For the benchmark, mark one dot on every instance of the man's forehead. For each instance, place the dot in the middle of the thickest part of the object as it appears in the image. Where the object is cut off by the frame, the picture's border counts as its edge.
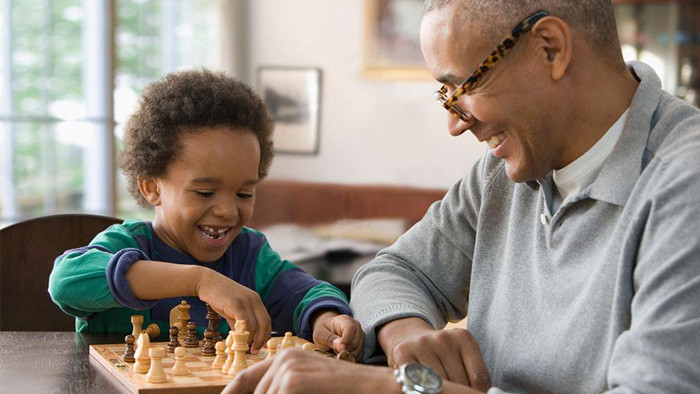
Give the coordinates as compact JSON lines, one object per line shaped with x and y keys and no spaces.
{"x":451,"y":45}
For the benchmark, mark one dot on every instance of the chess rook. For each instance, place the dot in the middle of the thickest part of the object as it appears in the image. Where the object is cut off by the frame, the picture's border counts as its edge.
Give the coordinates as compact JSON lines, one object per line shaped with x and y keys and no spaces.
{"x":156,"y":374}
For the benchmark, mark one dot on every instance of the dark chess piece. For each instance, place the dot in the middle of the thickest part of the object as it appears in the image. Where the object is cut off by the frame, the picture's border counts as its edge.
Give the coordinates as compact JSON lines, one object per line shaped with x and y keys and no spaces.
{"x":208,"y":348}
{"x":174,"y":332}
{"x":129,"y":351}
{"x":213,"y":323}
{"x":191,"y":340}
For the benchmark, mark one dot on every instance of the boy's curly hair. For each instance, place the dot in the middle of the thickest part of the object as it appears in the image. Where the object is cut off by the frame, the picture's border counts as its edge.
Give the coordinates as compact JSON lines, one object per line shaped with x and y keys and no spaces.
{"x":184,"y":102}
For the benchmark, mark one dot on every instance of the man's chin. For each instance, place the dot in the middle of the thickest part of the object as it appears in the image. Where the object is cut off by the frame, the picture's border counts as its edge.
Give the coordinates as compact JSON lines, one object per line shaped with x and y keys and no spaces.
{"x":518,"y":174}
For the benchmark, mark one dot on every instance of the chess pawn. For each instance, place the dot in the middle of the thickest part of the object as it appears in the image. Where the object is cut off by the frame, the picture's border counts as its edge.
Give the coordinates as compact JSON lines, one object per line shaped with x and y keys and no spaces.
{"x":288,"y":340}
{"x":137,"y":321}
{"x":208,"y":344}
{"x":220,"y":355}
{"x":156,"y":374}
{"x":129,"y":350}
{"x":240,"y":347}
{"x":174,"y":342}
{"x":191,"y":340}
{"x":229,"y":353}
{"x":271,"y":348}
{"x":308,"y":346}
{"x":143,"y":361}
{"x":180,"y":368}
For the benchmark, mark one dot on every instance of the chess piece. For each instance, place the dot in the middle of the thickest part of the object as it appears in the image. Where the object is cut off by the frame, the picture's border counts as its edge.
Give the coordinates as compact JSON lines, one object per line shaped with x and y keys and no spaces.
{"x":208,"y":344}
{"x":308,"y":346}
{"x":288,"y":340}
{"x":240,"y":347}
{"x":156,"y":374}
{"x":346,"y":356}
{"x":153,"y":331}
{"x":183,"y":317}
{"x":137,"y":321}
{"x":220,"y":355}
{"x":174,"y":342}
{"x":143,"y":361}
{"x":180,"y":368}
{"x":129,"y":351}
{"x":229,"y":353}
{"x":271,"y":348}
{"x":213,"y":323}
{"x":191,"y":340}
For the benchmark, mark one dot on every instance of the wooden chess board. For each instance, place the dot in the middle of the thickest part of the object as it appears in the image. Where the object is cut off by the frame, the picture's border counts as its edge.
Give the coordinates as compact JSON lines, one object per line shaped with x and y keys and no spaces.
{"x":202,"y":378}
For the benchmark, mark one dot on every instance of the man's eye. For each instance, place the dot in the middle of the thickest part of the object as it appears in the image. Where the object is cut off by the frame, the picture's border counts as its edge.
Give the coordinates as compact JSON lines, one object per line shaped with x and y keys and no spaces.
{"x":203,"y":194}
{"x":245,"y":196}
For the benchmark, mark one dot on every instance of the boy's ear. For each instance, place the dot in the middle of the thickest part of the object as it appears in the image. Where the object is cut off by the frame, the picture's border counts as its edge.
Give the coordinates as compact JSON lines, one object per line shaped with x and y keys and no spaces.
{"x":150,"y":189}
{"x":554,"y":37}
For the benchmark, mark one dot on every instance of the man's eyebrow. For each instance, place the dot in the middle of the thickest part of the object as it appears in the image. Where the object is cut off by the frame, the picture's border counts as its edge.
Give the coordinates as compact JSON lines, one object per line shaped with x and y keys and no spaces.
{"x":449,"y":79}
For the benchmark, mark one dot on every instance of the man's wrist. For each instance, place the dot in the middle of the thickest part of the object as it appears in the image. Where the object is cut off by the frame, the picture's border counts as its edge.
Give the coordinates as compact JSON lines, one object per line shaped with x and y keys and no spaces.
{"x":393,"y":332}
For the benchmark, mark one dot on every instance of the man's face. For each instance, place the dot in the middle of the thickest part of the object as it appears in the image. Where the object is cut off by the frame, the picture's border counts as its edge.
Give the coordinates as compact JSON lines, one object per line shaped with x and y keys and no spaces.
{"x":208,"y":192}
{"x":504,"y":103}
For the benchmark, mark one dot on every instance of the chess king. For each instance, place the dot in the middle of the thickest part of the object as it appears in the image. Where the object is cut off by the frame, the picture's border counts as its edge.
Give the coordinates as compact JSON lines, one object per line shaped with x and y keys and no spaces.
{"x":195,"y":149}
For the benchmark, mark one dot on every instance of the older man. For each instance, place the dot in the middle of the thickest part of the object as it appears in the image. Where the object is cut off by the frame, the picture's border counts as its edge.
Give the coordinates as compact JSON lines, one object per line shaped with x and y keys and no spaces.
{"x":574,"y":243}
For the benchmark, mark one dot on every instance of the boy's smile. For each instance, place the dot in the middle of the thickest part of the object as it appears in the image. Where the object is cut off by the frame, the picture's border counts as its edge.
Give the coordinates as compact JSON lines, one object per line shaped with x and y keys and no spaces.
{"x":208,"y":192}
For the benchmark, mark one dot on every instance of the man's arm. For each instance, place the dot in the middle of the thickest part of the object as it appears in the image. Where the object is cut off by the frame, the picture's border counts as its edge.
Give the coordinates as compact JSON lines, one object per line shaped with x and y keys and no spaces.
{"x":661,"y":349}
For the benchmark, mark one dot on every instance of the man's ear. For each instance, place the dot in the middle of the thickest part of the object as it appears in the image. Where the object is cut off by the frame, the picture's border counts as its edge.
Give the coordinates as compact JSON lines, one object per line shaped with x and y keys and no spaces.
{"x":150,"y":189}
{"x":554,"y":38}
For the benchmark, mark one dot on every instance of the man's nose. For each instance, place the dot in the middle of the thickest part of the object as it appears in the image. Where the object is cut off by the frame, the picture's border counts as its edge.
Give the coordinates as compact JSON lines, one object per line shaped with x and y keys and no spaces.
{"x":456,"y":125}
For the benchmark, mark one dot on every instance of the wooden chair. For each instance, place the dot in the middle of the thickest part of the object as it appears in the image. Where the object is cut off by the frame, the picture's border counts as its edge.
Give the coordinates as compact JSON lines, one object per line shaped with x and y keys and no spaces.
{"x":27,"y":252}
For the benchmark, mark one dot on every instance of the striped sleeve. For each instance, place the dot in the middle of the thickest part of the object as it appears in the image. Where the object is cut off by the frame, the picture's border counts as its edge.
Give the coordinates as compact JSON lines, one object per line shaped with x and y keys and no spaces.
{"x":291,"y":296}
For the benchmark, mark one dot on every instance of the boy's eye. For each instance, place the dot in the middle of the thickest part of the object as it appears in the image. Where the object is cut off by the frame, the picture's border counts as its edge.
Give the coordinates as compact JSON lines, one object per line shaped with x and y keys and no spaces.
{"x":203,"y":194}
{"x":245,"y":196}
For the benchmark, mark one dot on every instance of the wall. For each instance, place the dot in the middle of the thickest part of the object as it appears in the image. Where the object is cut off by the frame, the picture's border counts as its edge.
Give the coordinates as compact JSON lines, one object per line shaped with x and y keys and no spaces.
{"x":371,"y":132}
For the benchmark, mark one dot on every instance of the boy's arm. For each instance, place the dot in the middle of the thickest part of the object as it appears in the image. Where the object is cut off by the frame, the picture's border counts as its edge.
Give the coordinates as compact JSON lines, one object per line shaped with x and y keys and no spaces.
{"x":292,"y":297}
{"x":87,"y":280}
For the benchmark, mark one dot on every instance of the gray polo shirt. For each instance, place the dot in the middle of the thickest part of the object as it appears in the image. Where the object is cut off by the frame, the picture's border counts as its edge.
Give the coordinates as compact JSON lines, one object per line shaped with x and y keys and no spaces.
{"x":602,"y":295}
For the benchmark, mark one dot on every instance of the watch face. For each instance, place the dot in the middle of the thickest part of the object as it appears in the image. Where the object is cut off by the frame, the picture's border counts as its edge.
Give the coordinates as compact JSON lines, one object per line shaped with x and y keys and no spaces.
{"x":423,"y":379}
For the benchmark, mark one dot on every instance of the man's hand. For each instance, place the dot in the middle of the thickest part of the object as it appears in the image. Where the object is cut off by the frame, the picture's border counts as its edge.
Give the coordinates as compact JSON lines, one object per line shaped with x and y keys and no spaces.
{"x":338,"y":332}
{"x":233,"y":302}
{"x":297,"y":371}
{"x":454,"y":354}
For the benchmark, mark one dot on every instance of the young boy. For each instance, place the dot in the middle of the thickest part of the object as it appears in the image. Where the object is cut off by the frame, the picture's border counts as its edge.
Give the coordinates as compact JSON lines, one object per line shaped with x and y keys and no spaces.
{"x":195,"y":150}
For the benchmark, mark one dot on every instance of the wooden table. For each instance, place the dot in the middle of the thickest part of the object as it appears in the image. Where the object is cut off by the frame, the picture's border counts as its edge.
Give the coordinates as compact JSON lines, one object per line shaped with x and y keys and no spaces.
{"x":53,"y":362}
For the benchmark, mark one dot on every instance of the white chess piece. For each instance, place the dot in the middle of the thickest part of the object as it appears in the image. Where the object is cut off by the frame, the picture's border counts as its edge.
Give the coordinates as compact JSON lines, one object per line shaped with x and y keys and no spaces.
{"x":288,"y":340}
{"x":155,"y":373}
{"x":220,"y":355}
{"x":180,"y":368}
{"x":229,"y":353}
{"x":271,"y":348}
{"x":143,"y":361}
{"x":240,"y":347}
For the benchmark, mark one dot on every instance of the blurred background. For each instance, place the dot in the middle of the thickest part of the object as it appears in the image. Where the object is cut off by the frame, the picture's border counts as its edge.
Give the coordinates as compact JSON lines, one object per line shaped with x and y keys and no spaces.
{"x":71,"y":71}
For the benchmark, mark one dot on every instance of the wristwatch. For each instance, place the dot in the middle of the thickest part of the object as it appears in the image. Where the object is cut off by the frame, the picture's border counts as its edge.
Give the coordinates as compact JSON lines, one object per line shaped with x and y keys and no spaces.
{"x":418,"y":379}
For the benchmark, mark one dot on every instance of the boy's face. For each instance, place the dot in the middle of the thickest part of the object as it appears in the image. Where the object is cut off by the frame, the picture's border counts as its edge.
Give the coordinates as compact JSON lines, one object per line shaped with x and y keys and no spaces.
{"x":208,"y":192}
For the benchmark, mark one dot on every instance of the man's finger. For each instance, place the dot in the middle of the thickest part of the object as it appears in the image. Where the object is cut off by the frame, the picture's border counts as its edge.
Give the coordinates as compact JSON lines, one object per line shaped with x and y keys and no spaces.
{"x":247,"y":380}
{"x":476,"y":369}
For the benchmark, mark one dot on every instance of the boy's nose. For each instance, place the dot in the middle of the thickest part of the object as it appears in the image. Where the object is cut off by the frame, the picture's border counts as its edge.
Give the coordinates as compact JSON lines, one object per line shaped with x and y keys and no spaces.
{"x":225,"y":211}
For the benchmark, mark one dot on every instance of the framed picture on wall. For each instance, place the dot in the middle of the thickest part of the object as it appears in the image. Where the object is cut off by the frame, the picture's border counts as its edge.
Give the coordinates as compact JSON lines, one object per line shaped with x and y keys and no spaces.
{"x":292,"y":97}
{"x":392,"y":40}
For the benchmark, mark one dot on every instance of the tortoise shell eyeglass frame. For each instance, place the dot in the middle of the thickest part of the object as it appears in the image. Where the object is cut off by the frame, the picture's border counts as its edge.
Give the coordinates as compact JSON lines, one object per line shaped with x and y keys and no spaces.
{"x":450,"y":102}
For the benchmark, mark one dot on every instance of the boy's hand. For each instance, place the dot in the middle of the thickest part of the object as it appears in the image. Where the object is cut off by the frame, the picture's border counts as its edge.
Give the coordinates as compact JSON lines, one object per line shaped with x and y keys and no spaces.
{"x":338,"y":332}
{"x":233,"y":302}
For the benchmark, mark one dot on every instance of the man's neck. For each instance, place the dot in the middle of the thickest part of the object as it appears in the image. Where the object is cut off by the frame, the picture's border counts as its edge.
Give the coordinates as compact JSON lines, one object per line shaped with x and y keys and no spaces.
{"x":601,"y":97}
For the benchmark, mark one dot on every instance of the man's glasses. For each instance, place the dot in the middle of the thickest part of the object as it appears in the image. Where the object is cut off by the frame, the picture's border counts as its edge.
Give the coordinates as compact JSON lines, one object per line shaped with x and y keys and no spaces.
{"x":450,"y":102}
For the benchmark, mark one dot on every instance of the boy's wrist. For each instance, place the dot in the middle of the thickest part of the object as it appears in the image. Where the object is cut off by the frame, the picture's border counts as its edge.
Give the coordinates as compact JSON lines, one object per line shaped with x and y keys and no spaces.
{"x":322,"y":315}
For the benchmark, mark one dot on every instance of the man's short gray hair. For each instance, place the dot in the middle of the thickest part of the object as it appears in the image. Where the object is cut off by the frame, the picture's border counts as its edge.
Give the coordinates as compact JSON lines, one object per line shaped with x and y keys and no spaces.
{"x":594,"y":19}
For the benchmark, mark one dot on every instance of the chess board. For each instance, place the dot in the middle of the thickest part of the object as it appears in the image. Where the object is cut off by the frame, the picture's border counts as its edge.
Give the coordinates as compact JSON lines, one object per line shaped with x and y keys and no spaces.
{"x":202,"y":378}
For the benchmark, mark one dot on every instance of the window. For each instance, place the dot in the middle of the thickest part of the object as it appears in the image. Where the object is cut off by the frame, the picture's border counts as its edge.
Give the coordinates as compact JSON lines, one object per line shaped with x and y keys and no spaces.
{"x":69,"y":78}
